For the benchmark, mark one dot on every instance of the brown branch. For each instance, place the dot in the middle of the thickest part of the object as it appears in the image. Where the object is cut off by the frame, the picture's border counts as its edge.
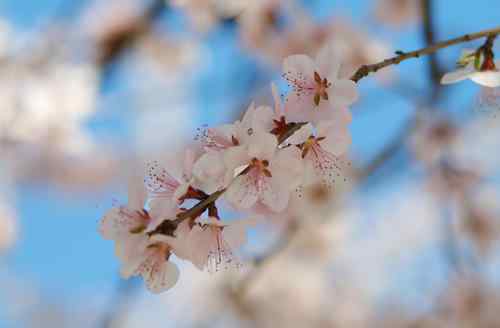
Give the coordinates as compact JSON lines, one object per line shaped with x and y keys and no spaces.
{"x":113,"y":44}
{"x":365,"y":70}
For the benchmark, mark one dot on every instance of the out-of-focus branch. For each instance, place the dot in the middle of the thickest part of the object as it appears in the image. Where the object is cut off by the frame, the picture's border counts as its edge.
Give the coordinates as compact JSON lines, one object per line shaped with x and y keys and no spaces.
{"x":115,"y":43}
{"x":365,"y":70}
{"x":429,"y":34}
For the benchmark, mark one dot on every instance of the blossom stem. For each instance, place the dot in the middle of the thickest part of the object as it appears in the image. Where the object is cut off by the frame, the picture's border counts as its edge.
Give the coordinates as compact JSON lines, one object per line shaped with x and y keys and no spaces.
{"x":365,"y":70}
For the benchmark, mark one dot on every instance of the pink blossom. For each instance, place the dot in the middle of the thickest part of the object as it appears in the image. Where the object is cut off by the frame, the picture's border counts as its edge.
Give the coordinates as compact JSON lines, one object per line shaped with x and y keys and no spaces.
{"x":210,"y":171}
{"x":477,"y":68}
{"x":322,"y":150}
{"x":260,"y":173}
{"x":213,"y":243}
{"x":318,"y":91}
{"x":162,"y":185}
{"x":150,"y":259}
{"x":124,"y":220}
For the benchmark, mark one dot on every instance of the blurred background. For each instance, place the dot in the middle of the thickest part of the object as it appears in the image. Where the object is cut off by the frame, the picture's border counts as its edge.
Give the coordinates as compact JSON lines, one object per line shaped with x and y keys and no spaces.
{"x":91,"y":88}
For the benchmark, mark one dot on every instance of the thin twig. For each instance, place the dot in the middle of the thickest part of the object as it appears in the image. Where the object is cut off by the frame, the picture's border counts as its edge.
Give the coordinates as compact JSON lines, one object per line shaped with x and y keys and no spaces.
{"x":365,"y":70}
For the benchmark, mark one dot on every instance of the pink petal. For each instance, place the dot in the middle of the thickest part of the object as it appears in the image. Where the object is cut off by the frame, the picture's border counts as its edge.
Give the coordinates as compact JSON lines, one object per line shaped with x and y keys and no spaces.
{"x":278,"y":107}
{"x":489,"y":79}
{"x":136,"y":193}
{"x":262,"y":146}
{"x":274,"y":195}
{"x":337,"y":137}
{"x":458,"y":75}
{"x":328,"y":61}
{"x":343,"y":93}
{"x":287,"y":168}
{"x":161,"y":276}
{"x":159,"y":182}
{"x":242,"y":193}
{"x":299,"y":107}
{"x":299,"y":67}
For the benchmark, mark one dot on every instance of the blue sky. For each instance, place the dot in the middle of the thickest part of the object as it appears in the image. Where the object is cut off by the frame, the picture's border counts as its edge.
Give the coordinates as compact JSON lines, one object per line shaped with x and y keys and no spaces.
{"x":60,"y":250}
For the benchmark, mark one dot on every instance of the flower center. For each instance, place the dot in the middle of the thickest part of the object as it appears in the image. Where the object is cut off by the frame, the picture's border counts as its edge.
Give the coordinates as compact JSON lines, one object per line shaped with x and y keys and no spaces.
{"x":309,"y":144}
{"x":144,"y":219}
{"x":260,"y":166}
{"x":321,"y":88}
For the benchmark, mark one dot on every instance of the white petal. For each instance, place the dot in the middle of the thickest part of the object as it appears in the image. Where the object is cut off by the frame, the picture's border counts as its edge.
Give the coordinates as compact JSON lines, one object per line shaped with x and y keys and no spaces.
{"x":328,"y":60}
{"x":136,"y":193}
{"x":131,"y":252}
{"x":242,"y":193}
{"x":489,"y":79}
{"x":287,"y":168}
{"x":159,"y":182}
{"x":343,"y":93}
{"x":108,"y":228}
{"x":299,"y":66}
{"x":161,"y":277}
{"x":235,"y":156}
{"x":200,"y":241}
{"x":119,"y":221}
{"x":274,"y":195}
{"x":209,"y":171}
{"x":458,"y":75}
{"x":337,"y":137}
{"x":189,"y":159}
{"x":298,"y":108}
{"x":278,"y":106}
{"x":262,"y":146}
{"x":161,"y":209}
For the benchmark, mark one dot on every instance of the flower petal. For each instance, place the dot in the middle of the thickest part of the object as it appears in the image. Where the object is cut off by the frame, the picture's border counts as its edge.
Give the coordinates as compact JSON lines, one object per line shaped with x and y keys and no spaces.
{"x":344,"y":93}
{"x":262,"y":146}
{"x":209,"y":171}
{"x":136,"y":193}
{"x":274,"y":195}
{"x":458,"y":75}
{"x":161,"y":276}
{"x":298,"y":67}
{"x":337,"y":137}
{"x":242,"y":193}
{"x":328,"y":60}
{"x":489,"y":79}
{"x":118,"y":221}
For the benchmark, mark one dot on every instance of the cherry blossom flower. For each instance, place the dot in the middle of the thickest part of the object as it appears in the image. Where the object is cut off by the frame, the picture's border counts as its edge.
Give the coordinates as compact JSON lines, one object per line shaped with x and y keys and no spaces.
{"x":209,"y":171}
{"x":317,"y":89}
{"x":161,"y":184}
{"x":141,"y":253}
{"x":213,"y":243}
{"x":322,"y":149}
{"x":474,"y":65}
{"x":151,"y":260}
{"x":132,"y":218}
{"x":262,"y":173}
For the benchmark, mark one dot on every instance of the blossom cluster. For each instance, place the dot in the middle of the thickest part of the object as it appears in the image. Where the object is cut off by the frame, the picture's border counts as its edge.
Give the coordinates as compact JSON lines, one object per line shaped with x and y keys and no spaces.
{"x":257,"y":165}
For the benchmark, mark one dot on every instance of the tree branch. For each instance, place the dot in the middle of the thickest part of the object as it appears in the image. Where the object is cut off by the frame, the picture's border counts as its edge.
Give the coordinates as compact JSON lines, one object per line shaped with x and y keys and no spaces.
{"x":365,"y":70}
